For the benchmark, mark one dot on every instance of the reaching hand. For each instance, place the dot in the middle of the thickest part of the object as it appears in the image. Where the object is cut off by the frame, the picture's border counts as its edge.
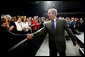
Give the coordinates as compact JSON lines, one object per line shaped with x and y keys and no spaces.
{"x":29,"y":36}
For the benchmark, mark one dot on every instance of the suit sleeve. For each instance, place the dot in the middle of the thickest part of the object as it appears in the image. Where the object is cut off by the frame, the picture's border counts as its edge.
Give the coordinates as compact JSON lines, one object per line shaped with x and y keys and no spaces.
{"x":42,"y":31}
{"x":16,"y":35}
{"x":72,"y":36}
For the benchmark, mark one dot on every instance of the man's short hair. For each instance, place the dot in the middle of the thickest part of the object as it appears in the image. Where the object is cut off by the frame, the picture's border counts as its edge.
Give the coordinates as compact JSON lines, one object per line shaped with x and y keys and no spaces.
{"x":54,"y":11}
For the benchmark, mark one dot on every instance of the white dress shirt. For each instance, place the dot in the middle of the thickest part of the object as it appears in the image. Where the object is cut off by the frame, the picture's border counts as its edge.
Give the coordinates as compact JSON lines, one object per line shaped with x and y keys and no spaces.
{"x":55,"y":22}
{"x":18,"y":26}
{"x":25,"y":24}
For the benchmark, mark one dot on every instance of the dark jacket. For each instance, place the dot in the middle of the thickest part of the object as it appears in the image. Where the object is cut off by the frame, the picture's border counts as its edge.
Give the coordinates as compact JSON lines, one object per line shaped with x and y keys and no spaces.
{"x":58,"y":37}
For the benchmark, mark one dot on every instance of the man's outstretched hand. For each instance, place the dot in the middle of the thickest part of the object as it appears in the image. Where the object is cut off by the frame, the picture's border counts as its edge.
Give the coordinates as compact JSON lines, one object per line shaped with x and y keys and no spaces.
{"x":29,"y":36}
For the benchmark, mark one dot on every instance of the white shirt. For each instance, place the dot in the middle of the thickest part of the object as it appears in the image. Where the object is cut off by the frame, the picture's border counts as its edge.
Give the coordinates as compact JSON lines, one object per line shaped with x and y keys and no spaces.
{"x":55,"y":22}
{"x":25,"y":24}
{"x":18,"y":26}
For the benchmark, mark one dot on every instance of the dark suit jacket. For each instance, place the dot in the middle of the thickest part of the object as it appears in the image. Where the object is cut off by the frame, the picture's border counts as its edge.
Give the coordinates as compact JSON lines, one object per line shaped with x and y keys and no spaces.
{"x":58,"y":37}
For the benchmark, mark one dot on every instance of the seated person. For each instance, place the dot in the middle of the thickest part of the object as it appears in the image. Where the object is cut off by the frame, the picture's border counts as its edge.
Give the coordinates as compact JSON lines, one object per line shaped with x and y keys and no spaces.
{"x":35,"y":24}
{"x":18,"y":25}
{"x":6,"y":35}
{"x":25,"y":26}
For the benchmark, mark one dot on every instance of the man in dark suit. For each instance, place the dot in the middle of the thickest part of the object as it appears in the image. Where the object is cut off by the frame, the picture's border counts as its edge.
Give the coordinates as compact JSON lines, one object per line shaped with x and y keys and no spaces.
{"x":55,"y":28}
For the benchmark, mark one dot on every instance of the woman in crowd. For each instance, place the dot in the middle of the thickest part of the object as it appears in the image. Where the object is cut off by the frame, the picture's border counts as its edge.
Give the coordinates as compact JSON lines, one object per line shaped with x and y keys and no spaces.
{"x":25,"y":26}
{"x":35,"y":24}
{"x":29,"y":20}
{"x":9,"y":23}
{"x":18,"y":24}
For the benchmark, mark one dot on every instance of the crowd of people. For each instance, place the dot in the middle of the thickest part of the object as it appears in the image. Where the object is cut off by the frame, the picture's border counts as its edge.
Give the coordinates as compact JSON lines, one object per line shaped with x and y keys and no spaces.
{"x":24,"y":25}
{"x":75,"y":24}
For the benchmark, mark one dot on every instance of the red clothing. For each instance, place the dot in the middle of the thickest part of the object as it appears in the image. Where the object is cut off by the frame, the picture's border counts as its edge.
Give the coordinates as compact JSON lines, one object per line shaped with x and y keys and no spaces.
{"x":35,"y":27}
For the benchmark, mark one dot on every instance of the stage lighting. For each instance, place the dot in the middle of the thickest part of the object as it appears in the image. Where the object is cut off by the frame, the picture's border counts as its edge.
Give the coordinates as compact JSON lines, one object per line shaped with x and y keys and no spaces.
{"x":48,"y":2}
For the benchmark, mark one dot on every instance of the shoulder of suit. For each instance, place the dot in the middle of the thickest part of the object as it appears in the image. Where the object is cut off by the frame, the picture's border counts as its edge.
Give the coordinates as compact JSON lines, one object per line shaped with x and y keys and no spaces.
{"x":64,"y":21}
{"x":46,"y":23}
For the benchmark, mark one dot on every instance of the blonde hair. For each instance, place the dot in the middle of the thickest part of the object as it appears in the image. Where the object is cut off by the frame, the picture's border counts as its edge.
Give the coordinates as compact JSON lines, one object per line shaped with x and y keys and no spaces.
{"x":3,"y":20}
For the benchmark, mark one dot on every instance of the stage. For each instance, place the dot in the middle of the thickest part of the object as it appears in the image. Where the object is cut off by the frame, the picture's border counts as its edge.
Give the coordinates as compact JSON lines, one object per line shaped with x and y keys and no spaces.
{"x":70,"y":49}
